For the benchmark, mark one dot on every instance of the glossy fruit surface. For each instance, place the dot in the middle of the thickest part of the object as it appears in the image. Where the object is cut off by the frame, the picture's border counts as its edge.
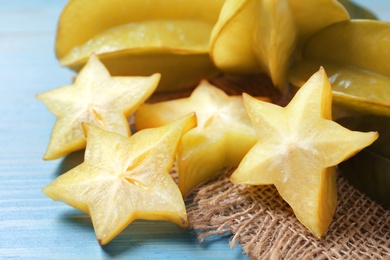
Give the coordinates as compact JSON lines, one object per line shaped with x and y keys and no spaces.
{"x":139,"y":38}
{"x":353,"y":88}
{"x":297,"y":149}
{"x":265,"y":36}
{"x":356,"y":43}
{"x":224,"y":133}
{"x":81,"y":20}
{"x":355,"y":57}
{"x":354,"y":54}
{"x":369,"y":171}
{"x":178,"y":50}
{"x":97,"y":98}
{"x":123,"y":179}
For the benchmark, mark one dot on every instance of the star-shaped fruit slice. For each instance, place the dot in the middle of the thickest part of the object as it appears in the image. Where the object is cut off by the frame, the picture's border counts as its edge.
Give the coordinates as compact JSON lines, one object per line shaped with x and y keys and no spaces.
{"x":95,"y":97}
{"x":297,"y":149}
{"x":125,"y":178}
{"x":223,"y":136}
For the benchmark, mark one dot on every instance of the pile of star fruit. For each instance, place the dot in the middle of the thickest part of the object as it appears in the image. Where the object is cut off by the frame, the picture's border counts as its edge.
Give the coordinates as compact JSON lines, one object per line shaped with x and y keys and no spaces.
{"x":126,"y":50}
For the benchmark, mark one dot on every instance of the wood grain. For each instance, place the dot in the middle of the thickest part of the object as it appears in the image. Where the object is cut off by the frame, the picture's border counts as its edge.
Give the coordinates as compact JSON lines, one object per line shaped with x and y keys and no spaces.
{"x":31,"y":225}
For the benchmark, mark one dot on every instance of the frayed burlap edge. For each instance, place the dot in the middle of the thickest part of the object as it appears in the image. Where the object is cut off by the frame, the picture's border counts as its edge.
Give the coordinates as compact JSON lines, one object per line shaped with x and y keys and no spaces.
{"x":263,"y":223}
{"x":265,"y":226}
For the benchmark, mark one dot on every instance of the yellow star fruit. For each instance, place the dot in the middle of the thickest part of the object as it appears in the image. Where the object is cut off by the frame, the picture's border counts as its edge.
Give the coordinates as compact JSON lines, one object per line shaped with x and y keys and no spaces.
{"x":95,"y":97}
{"x":254,"y":36}
{"x":297,"y":150}
{"x":125,"y":178}
{"x":358,"y":70}
{"x":135,"y":38}
{"x":223,"y":136}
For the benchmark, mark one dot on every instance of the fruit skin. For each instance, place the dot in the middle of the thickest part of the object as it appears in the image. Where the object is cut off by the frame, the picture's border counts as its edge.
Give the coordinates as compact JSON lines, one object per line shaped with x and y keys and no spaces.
{"x":278,"y":29}
{"x":176,"y":49}
{"x":223,"y":136}
{"x":353,"y":88}
{"x":181,"y":66}
{"x":358,"y":69}
{"x":95,"y":97}
{"x":178,"y":71}
{"x":355,"y":55}
{"x":297,"y":150}
{"x":80,"y":20}
{"x":338,"y":44}
{"x":125,"y":178}
{"x":369,"y":171}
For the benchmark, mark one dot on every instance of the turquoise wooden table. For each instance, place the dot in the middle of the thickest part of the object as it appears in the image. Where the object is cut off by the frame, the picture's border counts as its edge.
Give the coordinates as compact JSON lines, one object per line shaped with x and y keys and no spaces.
{"x":32,"y":225}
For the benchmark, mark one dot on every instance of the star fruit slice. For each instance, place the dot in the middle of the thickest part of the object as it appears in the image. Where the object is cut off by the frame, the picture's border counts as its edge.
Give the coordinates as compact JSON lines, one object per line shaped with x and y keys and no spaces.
{"x":223,"y":136}
{"x":254,"y":36}
{"x":354,"y":54}
{"x":125,"y":178}
{"x":141,"y":37}
{"x":95,"y":97}
{"x":297,"y":150}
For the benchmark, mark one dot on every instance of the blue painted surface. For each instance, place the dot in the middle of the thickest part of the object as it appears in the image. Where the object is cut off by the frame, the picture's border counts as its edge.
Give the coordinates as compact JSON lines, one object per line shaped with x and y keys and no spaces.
{"x":380,"y":7}
{"x":31,"y":225}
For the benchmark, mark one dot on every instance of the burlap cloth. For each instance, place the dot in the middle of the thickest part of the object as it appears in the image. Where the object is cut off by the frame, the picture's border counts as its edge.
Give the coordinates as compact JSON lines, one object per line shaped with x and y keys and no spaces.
{"x":264,"y":224}
{"x":266,"y":228}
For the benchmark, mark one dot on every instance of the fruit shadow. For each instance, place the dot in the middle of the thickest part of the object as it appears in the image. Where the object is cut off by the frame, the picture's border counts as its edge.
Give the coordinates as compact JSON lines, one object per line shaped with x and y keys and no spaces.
{"x":162,"y":238}
{"x":140,"y":235}
{"x":70,"y":161}
{"x":158,"y":236}
{"x":77,"y":219}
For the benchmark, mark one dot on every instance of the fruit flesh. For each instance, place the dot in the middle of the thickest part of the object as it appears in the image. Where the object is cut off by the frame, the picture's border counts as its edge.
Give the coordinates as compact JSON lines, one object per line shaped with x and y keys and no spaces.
{"x":123,"y":179}
{"x":356,"y":11}
{"x":223,"y":136}
{"x":95,"y":97}
{"x":297,"y":148}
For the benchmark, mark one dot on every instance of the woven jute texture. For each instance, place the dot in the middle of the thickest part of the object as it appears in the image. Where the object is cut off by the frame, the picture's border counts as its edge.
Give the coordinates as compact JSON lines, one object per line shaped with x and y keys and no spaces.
{"x":265,"y":226}
{"x":263,"y":223}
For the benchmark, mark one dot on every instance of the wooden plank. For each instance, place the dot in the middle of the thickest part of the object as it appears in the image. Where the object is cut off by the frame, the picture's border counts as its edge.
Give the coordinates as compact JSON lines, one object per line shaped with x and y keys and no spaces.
{"x":32,"y":225}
